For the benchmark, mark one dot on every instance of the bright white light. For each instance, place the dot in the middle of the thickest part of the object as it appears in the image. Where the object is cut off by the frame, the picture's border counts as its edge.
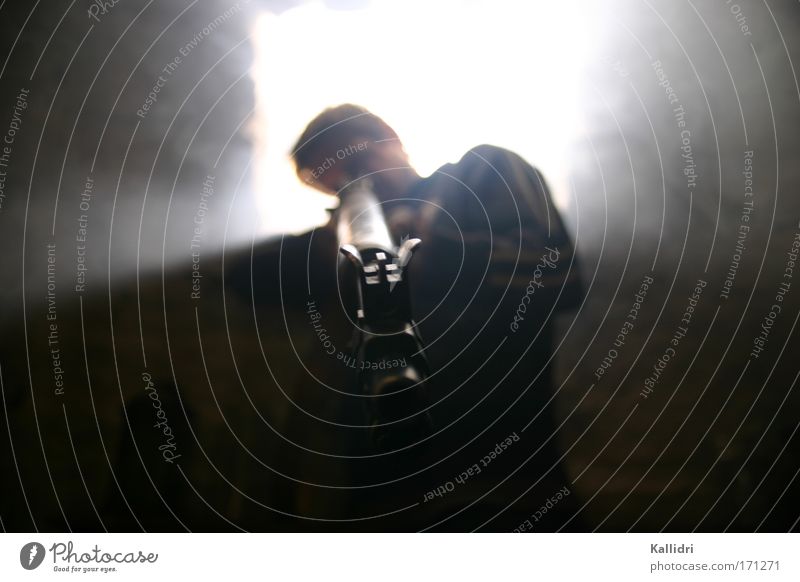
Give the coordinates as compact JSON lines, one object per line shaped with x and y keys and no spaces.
{"x":446,"y":75}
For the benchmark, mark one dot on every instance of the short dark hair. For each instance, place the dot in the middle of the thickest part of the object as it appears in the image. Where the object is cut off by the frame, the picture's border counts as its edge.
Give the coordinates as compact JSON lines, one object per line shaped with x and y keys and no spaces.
{"x":335,"y":128}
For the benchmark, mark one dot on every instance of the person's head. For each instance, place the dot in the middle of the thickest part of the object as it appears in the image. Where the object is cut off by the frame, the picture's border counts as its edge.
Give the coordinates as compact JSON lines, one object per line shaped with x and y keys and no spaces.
{"x":345,"y":142}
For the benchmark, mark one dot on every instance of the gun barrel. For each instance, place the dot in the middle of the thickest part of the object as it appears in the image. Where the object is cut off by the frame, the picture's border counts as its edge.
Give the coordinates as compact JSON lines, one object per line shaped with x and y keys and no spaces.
{"x":361,"y":221}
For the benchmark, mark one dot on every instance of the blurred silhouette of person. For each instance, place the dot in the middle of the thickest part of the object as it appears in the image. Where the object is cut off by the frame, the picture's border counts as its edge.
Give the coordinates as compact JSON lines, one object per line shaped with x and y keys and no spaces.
{"x":495,"y":266}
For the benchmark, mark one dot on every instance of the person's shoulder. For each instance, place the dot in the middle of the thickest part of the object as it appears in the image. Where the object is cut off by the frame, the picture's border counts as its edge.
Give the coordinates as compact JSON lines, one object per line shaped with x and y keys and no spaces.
{"x":487,"y":162}
{"x":480,"y":156}
{"x":483,"y":167}
{"x":490,"y":153}
{"x":488,"y":159}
